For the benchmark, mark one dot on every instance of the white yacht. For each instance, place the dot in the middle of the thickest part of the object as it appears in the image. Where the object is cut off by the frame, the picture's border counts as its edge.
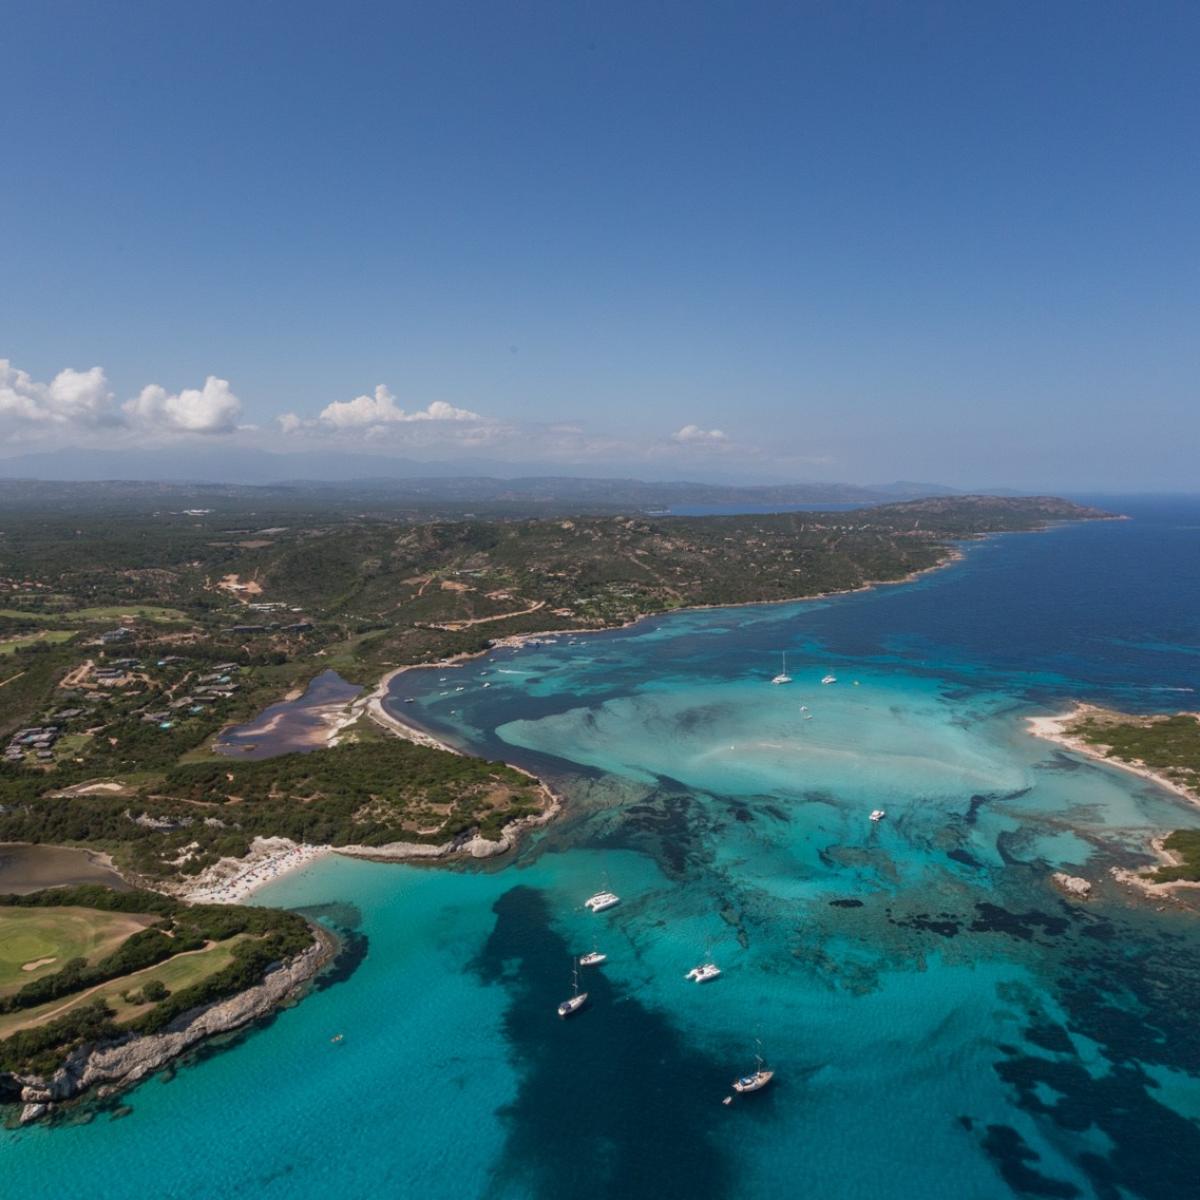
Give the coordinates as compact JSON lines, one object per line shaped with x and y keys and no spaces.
{"x":593,"y":959}
{"x":783,"y":676}
{"x":578,"y":999}
{"x":829,"y":679}
{"x":878,"y":814}
{"x":704,"y":972}
{"x":755,"y":1081}
{"x":602,"y":900}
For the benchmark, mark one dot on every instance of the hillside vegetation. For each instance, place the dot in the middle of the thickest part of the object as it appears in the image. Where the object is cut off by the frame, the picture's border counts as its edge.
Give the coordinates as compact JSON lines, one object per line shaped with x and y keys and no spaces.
{"x":178,"y":622}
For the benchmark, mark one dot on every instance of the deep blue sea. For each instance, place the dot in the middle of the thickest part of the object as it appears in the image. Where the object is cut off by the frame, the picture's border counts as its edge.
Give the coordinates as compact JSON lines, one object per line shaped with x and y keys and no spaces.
{"x":943,"y":1024}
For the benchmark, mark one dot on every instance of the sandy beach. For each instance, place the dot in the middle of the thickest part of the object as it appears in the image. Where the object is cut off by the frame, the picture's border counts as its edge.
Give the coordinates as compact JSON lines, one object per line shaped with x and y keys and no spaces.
{"x":1058,"y":728}
{"x":232,"y":880}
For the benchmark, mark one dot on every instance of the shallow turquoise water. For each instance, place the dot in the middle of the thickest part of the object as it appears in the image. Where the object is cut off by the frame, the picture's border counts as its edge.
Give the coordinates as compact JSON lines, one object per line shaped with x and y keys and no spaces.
{"x":942,"y":1022}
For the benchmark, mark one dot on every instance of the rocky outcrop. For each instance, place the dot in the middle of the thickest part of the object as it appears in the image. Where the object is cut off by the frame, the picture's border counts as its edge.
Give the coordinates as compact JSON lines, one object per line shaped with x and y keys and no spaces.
{"x":114,"y":1065}
{"x":1073,"y":885}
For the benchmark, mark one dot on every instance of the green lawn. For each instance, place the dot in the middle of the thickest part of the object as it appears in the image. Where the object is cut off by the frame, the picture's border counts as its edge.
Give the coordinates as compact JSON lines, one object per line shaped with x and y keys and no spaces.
{"x":28,"y":935}
{"x":109,"y":612}
{"x":45,"y":635}
{"x":18,"y":614}
{"x":176,"y":974}
{"x":114,"y":612}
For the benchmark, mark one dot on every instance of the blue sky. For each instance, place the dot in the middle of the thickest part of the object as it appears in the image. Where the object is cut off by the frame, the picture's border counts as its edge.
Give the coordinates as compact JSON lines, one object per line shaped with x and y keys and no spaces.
{"x":954,"y":242}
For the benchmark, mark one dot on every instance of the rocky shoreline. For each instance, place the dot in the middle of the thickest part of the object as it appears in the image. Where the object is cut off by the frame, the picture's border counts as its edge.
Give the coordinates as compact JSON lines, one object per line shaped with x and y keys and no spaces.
{"x":113,"y":1066}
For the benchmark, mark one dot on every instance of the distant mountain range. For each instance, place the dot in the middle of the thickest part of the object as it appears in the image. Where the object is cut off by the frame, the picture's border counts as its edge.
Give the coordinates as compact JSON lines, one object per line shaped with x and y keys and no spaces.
{"x":126,"y":475}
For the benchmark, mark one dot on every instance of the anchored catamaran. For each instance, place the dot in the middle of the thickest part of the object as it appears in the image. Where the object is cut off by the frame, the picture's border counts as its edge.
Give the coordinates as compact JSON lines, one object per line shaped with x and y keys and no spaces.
{"x":783,"y":676}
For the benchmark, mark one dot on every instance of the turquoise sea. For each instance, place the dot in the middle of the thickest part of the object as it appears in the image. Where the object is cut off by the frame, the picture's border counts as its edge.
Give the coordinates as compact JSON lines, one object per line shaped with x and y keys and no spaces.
{"x":942,"y":1022}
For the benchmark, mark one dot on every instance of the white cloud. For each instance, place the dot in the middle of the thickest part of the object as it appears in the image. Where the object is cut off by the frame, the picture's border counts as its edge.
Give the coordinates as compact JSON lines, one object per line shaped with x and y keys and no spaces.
{"x":381,"y":409}
{"x":693,"y":435}
{"x":70,"y":398}
{"x":210,"y":409}
{"x":76,"y":402}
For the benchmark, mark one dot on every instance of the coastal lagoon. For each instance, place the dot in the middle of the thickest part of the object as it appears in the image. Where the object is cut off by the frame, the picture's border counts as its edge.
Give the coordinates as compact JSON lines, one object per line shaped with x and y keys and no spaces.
{"x":25,"y":868}
{"x":298,"y":725}
{"x":943,"y":1022}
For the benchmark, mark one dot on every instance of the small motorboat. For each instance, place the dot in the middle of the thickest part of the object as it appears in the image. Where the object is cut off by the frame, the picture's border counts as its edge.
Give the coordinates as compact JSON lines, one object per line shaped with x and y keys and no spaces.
{"x":593,"y":959}
{"x":829,"y":679}
{"x":878,"y":814}
{"x":602,"y":900}
{"x":337,"y":1037}
{"x":704,"y":972}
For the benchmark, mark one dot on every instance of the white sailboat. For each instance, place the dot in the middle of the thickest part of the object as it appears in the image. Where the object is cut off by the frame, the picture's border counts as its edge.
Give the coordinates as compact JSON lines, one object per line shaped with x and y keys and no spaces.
{"x":577,"y":999}
{"x":783,"y":676}
{"x":704,"y":972}
{"x":758,"y":1079}
{"x":602,"y":900}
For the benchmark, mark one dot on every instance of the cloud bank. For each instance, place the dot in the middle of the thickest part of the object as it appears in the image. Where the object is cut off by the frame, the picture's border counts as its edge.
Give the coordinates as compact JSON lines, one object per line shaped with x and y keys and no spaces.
{"x":210,"y":409}
{"x":81,"y":401}
{"x":79,"y":398}
{"x":368,"y":412}
{"x":80,"y":407}
{"x":693,"y":435}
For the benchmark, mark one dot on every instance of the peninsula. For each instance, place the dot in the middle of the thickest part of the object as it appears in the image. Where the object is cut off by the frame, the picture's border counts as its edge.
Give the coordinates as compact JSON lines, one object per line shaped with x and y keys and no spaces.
{"x":1161,"y":747}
